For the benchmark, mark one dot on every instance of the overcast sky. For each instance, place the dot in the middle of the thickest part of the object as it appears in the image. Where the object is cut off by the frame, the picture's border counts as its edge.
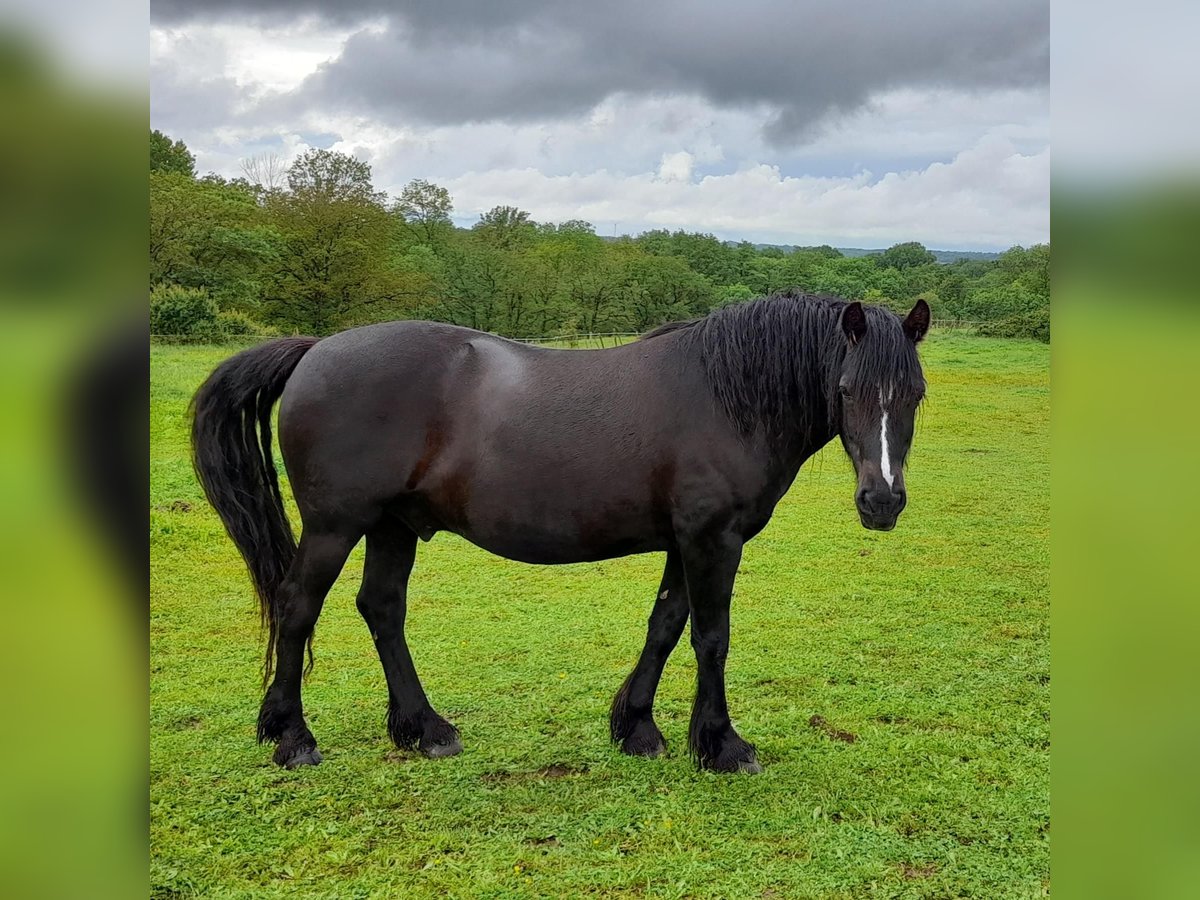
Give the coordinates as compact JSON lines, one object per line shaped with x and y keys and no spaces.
{"x":783,"y":121}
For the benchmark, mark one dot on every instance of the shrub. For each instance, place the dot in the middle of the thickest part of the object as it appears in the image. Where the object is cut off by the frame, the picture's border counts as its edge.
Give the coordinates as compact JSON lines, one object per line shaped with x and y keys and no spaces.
{"x":184,"y":313}
{"x":234,"y":323}
{"x":1033,"y":324}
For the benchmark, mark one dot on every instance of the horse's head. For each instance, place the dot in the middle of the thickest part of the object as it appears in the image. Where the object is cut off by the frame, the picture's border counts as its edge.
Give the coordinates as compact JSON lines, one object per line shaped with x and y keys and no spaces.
{"x":879,"y":389}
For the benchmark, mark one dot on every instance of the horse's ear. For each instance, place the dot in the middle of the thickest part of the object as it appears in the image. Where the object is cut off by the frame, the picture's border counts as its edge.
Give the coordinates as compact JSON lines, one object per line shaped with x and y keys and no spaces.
{"x":917,"y":322}
{"x":854,"y":322}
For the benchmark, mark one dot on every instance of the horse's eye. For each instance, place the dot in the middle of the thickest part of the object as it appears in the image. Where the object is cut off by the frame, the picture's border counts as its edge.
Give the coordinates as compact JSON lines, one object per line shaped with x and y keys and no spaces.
{"x":844,"y":391}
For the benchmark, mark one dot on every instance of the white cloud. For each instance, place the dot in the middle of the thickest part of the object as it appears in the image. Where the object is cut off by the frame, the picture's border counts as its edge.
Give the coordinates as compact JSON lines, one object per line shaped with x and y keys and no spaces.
{"x":676,"y":166}
{"x":259,"y":60}
{"x":987,"y":196}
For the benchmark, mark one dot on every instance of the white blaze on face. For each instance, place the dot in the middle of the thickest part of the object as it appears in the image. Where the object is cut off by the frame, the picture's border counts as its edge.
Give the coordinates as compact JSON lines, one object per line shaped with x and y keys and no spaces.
{"x":885,"y":458}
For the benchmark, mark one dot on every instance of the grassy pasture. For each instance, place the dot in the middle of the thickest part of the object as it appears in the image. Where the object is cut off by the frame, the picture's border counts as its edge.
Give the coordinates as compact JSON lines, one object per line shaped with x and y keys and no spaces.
{"x":896,"y":685}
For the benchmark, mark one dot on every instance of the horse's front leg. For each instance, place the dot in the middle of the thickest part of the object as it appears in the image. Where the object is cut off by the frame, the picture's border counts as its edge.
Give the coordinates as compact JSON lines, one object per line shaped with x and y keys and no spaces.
{"x":710,"y":565}
{"x":631,"y":722}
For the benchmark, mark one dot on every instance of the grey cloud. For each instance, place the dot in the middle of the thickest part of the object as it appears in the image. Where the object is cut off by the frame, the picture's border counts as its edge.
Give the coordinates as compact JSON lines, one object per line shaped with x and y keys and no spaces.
{"x":182,"y":105}
{"x":453,"y":61}
{"x":430,"y":15}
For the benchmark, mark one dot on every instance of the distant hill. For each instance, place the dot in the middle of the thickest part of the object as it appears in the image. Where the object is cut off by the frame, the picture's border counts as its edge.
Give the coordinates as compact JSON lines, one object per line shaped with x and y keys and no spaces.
{"x":943,"y":256}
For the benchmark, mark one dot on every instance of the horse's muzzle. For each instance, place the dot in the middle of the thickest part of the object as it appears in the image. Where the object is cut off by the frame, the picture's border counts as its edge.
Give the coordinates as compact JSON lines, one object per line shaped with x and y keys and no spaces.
{"x":879,"y":508}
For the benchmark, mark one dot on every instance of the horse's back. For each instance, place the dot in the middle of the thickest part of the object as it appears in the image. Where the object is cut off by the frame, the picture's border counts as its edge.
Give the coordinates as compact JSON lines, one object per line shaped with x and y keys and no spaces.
{"x":409,"y":366}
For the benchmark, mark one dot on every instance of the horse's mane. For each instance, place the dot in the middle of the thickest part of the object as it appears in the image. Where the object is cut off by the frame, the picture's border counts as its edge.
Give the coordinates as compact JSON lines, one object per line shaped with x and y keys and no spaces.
{"x":775,"y":362}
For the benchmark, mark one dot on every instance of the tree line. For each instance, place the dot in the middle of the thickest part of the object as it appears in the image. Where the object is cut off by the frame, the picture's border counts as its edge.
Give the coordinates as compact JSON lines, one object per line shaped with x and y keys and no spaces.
{"x":314,"y":247}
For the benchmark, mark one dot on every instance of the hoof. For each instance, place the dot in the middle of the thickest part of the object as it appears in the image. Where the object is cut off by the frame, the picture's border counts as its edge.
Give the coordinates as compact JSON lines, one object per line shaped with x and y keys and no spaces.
{"x":750,"y":767}
{"x":649,"y":750}
{"x":729,"y":753}
{"x":727,"y":766}
{"x":441,"y":751}
{"x":643,"y":739}
{"x":309,"y":757}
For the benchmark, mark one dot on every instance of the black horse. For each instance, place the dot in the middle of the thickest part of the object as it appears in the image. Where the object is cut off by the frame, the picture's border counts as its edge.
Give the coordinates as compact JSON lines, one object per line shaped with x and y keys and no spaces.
{"x":683,"y":441}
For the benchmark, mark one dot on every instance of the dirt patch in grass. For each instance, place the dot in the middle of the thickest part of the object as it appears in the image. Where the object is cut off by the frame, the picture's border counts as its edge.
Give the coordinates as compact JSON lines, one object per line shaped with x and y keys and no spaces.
{"x":834,"y":734}
{"x":545,"y":773}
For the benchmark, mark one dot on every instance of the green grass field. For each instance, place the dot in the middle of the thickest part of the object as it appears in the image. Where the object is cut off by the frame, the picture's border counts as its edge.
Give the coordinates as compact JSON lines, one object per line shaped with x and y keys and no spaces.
{"x":924,"y":652}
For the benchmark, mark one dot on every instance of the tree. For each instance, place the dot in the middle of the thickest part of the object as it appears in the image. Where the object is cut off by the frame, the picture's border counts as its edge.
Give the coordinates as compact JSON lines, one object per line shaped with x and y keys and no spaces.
{"x":905,"y":256}
{"x":315,"y":248}
{"x":952,"y":292}
{"x":505,"y":228}
{"x":824,"y":250}
{"x":425,"y":202}
{"x":330,"y":176}
{"x":167,"y":155}
{"x":734,"y":293}
{"x":662,"y":289}
{"x":704,"y":253}
{"x":266,"y":170}
{"x":337,"y":264}
{"x":1016,"y":284}
{"x":764,"y":274}
{"x":209,"y":233}
{"x":426,"y":208}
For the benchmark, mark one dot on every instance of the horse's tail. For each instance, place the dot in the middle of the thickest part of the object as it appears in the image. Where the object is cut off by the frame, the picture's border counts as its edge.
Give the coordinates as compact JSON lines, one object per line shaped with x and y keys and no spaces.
{"x":231,"y":452}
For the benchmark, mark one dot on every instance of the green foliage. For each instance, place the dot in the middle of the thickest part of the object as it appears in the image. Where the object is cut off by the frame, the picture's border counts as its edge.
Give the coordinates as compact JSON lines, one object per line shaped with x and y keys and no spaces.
{"x":734,"y":293}
{"x":663,"y":289}
{"x":329,"y":251}
{"x":234,"y":323}
{"x":189,"y":315}
{"x":1033,"y":324}
{"x":703,"y":253}
{"x":212,"y":234}
{"x":905,"y":256}
{"x":184,"y":313}
{"x":930,"y":644}
{"x":425,"y":207}
{"x":167,"y":155}
{"x":505,"y":228}
{"x":336,"y":264}
{"x":1016,"y":284}
{"x":824,"y":250}
{"x":329,"y":176}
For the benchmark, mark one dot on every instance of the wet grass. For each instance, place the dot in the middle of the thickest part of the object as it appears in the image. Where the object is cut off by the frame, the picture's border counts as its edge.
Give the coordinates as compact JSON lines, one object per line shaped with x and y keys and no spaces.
{"x":896,"y":685}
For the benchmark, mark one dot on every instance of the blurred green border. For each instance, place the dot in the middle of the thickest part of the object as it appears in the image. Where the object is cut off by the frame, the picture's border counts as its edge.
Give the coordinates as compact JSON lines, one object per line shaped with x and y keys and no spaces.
{"x":1126,"y":609}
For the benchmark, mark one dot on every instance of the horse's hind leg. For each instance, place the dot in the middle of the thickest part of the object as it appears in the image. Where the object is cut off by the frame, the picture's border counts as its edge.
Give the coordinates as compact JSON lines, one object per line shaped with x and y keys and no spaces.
{"x":319,"y":559}
{"x":631,"y":722}
{"x":383,"y":601}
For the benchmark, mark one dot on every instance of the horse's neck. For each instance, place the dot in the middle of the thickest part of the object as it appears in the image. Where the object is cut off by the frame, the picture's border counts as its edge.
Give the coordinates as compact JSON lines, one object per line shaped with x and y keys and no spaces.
{"x":789,"y":455}
{"x":812,"y":428}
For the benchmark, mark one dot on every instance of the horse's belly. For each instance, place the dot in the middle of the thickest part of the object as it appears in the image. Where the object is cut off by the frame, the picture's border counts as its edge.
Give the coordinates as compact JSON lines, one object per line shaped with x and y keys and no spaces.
{"x":538,"y":503}
{"x":550,"y":548}
{"x":537,"y":528}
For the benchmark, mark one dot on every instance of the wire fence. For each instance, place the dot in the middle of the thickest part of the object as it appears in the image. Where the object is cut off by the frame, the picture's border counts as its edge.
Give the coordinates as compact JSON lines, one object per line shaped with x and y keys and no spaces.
{"x":589,"y":341}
